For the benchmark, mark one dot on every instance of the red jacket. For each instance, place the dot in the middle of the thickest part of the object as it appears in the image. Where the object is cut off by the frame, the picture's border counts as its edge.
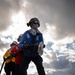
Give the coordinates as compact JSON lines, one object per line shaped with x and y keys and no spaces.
{"x":16,"y":48}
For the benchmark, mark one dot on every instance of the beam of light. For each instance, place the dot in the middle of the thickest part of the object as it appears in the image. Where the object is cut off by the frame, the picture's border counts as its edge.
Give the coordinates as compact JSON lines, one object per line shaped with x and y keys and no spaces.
{"x":18,"y":25}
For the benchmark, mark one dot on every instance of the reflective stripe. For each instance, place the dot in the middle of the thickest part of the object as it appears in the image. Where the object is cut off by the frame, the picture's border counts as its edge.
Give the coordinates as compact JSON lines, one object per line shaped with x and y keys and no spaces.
{"x":37,"y":38}
{"x":28,"y":36}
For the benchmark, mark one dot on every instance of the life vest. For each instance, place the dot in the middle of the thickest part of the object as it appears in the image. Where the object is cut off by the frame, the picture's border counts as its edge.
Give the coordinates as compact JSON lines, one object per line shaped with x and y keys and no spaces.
{"x":18,"y":57}
{"x":7,"y":53}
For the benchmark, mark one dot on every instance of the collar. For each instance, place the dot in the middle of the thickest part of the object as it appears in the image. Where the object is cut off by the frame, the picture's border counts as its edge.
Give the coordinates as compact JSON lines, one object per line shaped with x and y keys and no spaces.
{"x":34,"y":31}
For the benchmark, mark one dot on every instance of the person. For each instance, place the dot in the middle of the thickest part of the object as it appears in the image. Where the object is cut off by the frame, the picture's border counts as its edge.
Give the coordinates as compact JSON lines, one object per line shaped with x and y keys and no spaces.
{"x":9,"y":63}
{"x":18,"y":57}
{"x":30,"y":41}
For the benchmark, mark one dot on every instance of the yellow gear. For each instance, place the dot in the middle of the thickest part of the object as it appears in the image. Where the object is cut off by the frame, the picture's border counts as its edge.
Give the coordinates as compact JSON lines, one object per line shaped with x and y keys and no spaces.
{"x":13,"y":59}
{"x":7,"y":53}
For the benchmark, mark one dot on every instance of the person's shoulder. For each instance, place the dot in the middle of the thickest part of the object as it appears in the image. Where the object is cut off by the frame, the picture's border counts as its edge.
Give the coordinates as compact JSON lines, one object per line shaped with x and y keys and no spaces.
{"x":40,"y":33}
{"x":26,"y":32}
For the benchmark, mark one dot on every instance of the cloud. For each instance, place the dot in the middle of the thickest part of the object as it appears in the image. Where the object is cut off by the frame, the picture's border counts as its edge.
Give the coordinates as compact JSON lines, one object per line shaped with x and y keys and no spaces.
{"x":71,"y":45}
{"x":3,"y":44}
{"x":59,"y":66}
{"x":7,"y":8}
{"x":67,"y":72}
{"x":58,"y":62}
{"x":59,"y":13}
{"x":48,"y":46}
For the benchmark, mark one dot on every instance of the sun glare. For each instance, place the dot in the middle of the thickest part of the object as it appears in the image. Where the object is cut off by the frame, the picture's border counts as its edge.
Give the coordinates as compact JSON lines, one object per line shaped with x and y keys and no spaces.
{"x":18,"y":23}
{"x":18,"y":18}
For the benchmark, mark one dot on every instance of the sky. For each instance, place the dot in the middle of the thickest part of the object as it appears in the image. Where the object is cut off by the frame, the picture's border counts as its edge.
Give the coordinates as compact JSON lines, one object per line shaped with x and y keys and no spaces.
{"x":57,"y":23}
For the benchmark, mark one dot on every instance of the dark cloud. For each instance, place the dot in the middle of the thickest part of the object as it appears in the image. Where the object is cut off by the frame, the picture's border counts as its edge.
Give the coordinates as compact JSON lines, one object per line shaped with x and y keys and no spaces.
{"x":7,"y":7}
{"x":58,"y":12}
{"x":58,"y":64}
{"x":61,"y":63}
{"x":63,"y":73}
{"x":61,"y":66}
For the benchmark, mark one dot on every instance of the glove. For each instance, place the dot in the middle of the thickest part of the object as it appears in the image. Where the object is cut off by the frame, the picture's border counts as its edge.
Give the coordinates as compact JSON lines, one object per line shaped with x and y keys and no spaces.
{"x":25,"y":46}
{"x":44,"y":46}
{"x":40,"y":48}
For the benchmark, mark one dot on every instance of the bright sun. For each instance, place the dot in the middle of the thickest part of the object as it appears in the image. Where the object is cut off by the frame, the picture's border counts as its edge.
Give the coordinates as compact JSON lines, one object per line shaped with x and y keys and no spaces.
{"x":18,"y":18}
{"x":18,"y":23}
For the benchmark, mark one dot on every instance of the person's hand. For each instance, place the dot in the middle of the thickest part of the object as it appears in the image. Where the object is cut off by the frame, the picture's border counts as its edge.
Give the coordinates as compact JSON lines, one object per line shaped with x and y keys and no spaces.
{"x":44,"y":46}
{"x":26,"y":46}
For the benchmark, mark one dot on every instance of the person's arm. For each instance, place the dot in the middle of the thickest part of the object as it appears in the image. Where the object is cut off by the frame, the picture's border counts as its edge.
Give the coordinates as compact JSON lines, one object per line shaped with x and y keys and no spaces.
{"x":5,"y":55}
{"x":15,"y":49}
{"x":23,"y":40}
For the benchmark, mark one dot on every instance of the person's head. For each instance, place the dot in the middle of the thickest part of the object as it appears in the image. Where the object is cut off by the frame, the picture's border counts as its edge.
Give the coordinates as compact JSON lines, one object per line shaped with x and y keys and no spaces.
{"x":19,"y":37}
{"x":34,"y":23}
{"x":13,"y":43}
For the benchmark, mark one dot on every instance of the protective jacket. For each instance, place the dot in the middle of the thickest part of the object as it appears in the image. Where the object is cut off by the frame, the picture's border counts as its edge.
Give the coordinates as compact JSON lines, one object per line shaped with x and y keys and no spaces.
{"x":29,"y":38}
{"x":18,"y":57}
{"x":7,"y":53}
